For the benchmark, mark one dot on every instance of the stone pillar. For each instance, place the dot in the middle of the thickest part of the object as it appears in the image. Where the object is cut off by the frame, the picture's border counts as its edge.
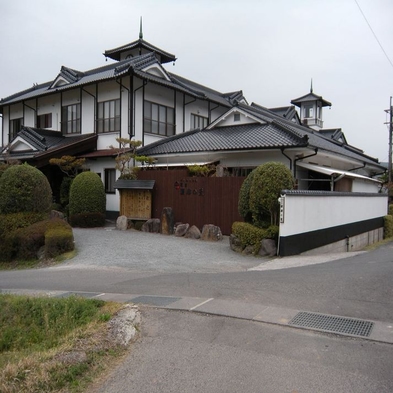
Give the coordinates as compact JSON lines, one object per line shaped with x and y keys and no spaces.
{"x":167,"y":221}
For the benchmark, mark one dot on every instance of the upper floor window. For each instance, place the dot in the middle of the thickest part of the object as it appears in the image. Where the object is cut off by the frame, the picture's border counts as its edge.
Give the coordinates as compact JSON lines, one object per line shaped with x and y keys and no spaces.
{"x":15,"y":127}
{"x":71,"y":119}
{"x":159,"y":119}
{"x":44,"y":121}
{"x":108,"y":119}
{"x":198,"y":122}
{"x":110,"y":178}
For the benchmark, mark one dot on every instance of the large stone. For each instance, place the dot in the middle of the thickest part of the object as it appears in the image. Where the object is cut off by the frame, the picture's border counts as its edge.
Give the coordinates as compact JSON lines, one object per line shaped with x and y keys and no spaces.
{"x":268,"y":248}
{"x":56,"y":214}
{"x":152,"y":225}
{"x":248,"y":250}
{"x":167,"y":221}
{"x":122,"y":223}
{"x":211,"y":233}
{"x":181,"y":229}
{"x":235,"y":243}
{"x":193,"y":233}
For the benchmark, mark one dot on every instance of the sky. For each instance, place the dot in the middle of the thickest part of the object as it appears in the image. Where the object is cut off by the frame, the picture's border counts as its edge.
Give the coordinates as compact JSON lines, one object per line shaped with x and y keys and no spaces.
{"x":269,"y":49}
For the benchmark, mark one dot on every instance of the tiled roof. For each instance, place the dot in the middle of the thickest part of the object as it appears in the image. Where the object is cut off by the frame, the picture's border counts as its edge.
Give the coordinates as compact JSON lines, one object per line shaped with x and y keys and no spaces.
{"x":115,"y":70}
{"x":141,"y":43}
{"x":242,"y":137}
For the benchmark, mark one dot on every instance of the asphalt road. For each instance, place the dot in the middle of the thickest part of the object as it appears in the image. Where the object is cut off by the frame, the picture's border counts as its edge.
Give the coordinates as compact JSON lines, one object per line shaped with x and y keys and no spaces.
{"x":186,"y":352}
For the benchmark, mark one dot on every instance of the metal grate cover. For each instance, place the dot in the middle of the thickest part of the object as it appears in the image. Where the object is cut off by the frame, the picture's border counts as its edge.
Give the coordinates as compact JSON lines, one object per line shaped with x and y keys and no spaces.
{"x":334,"y":324}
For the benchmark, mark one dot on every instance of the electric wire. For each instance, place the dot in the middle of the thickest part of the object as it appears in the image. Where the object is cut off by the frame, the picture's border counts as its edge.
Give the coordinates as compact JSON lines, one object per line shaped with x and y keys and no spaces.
{"x":375,"y":36}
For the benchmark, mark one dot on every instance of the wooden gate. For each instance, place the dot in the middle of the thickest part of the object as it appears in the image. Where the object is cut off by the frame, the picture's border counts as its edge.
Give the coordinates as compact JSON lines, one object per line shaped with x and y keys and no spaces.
{"x":195,"y":200}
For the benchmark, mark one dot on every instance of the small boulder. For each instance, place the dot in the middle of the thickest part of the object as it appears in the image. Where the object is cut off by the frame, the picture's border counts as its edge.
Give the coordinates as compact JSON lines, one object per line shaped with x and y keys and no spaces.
{"x":235,"y":243}
{"x":181,"y":229}
{"x":268,"y":248}
{"x":249,"y":250}
{"x":56,"y":214}
{"x":122,"y":223}
{"x":211,"y":233}
{"x":167,"y":221}
{"x":193,"y":233}
{"x":152,"y":225}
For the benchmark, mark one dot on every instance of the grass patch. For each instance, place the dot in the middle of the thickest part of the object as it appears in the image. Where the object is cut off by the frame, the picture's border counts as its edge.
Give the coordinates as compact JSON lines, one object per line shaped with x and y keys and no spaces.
{"x":51,"y":345}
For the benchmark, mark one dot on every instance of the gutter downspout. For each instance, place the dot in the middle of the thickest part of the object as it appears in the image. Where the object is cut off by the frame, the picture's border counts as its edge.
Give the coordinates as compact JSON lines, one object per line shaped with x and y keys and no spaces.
{"x":302,"y":158}
{"x":121,"y":101}
{"x":360,"y":167}
{"x":289,"y":158}
{"x":144,"y":82}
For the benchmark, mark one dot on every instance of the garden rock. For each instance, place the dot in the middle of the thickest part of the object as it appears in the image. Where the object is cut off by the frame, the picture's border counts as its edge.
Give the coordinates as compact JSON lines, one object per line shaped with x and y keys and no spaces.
{"x":167,"y":221}
{"x":56,"y":214}
{"x":193,"y":233}
{"x":122,"y":328}
{"x":122,"y":223}
{"x":181,"y":229}
{"x":211,"y":233}
{"x":268,"y":248}
{"x":249,"y":250}
{"x":235,"y":243}
{"x":152,"y":225}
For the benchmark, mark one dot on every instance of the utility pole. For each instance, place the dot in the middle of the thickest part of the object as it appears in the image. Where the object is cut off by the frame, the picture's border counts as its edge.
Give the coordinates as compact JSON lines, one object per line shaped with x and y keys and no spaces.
{"x":390,"y":111}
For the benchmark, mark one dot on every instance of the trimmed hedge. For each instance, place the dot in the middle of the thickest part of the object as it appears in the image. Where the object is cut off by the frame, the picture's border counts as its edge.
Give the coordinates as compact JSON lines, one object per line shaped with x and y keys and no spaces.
{"x":388,"y":226}
{"x":87,"y":201}
{"x":250,"y":235}
{"x":24,"y":188}
{"x":390,"y":211}
{"x":24,"y":243}
{"x":244,"y":198}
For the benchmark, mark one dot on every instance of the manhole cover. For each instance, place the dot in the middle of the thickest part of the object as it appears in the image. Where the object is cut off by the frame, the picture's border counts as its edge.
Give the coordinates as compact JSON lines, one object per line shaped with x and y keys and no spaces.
{"x":159,"y":301}
{"x":332,"y":324}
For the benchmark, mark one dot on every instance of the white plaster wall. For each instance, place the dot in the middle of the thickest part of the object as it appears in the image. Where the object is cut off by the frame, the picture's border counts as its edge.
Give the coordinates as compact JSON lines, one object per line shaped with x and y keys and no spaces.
{"x":71,"y":97}
{"x":99,"y":166}
{"x":16,"y":111}
{"x":51,"y":104}
{"x":104,"y":141}
{"x":252,"y":158}
{"x":6,"y":126}
{"x":309,"y":213}
{"x":359,"y":185}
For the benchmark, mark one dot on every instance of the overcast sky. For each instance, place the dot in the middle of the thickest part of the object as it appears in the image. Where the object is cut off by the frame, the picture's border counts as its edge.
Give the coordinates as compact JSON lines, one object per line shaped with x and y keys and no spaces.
{"x":270,"y":49}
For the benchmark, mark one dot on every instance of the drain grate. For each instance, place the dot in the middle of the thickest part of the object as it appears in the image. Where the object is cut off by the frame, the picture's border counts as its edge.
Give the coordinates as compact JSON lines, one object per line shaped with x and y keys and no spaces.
{"x":334,"y":324}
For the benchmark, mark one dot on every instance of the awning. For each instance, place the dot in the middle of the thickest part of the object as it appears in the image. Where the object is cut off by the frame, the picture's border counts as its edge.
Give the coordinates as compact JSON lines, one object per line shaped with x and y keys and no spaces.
{"x":332,"y":172}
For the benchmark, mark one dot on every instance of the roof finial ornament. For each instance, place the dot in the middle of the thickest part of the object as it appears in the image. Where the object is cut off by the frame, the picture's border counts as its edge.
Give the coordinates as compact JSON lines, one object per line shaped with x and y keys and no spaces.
{"x":311,"y":87}
{"x":140,"y":30}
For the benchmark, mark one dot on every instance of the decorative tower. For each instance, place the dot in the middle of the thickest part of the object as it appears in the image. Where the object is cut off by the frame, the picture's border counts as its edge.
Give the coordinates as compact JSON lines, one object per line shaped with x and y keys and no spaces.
{"x":311,"y":109}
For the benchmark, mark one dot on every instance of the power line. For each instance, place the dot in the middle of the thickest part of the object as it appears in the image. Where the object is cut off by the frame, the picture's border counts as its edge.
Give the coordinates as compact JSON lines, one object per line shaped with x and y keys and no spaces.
{"x":375,"y":36}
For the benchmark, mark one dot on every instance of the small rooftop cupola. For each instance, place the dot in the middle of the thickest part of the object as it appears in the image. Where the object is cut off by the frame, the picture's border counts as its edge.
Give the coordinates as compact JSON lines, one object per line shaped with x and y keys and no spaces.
{"x":138,"y":48}
{"x":311,"y":109}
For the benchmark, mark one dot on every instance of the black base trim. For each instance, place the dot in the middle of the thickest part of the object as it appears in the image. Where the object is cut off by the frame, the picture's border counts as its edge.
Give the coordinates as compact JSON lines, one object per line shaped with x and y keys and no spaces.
{"x":296,"y":244}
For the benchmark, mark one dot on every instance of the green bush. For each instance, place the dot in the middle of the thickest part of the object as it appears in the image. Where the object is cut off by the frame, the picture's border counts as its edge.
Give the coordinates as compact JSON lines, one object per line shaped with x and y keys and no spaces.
{"x":9,"y":224}
{"x":65,"y":191}
{"x":390,"y":211}
{"x":87,"y":200}
{"x":87,"y":220}
{"x":24,"y":243}
{"x":267,"y":183}
{"x":24,"y":188}
{"x":244,"y":198}
{"x":58,"y":241}
{"x":388,"y":226}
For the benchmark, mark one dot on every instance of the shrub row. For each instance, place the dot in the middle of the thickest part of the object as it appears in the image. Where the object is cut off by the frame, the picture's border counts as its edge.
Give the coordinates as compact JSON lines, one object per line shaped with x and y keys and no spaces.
{"x":87,"y":220}
{"x":250,"y":235}
{"x":388,"y":226}
{"x":55,"y":235}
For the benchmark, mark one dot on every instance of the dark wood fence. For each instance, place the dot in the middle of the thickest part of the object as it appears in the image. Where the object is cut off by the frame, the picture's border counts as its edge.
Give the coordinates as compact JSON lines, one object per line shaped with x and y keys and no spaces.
{"x":195,"y":200}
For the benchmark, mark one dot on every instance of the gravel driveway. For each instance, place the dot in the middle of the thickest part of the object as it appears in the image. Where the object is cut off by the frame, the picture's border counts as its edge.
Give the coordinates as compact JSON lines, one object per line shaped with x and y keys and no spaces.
{"x":134,"y":250}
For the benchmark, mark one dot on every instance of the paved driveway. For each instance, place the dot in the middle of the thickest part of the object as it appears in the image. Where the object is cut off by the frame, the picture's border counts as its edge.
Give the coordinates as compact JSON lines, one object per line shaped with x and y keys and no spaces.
{"x":134,"y":250}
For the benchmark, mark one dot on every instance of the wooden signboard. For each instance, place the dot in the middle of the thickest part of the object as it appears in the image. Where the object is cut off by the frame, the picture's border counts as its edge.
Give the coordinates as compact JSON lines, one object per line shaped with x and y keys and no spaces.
{"x":136,"y":204}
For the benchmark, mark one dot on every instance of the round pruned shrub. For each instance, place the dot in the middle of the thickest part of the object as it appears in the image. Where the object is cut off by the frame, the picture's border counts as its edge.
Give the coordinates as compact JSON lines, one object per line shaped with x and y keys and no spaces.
{"x":267,"y":183}
{"x":24,"y":188}
{"x":244,"y":198}
{"x":87,"y":201}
